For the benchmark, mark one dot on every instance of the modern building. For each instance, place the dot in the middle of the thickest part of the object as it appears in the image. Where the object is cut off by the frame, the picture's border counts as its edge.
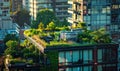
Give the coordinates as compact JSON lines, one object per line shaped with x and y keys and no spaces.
{"x":88,"y":58}
{"x":5,"y":20}
{"x":75,"y":56}
{"x":60,"y":7}
{"x":16,"y":4}
{"x":25,"y":4}
{"x":97,"y":14}
{"x":99,"y":57}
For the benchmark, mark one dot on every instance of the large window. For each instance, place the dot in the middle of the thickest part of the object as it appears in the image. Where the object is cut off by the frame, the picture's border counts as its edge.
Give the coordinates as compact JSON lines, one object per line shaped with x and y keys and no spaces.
{"x":107,"y":55}
{"x":75,"y":57}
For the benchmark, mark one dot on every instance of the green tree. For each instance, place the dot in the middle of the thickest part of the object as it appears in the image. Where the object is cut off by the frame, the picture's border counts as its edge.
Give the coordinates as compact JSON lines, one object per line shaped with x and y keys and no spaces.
{"x":41,"y":26}
{"x":45,"y":16}
{"x":85,"y":37}
{"x":21,"y":17}
{"x":101,"y":36}
{"x":10,"y":37}
{"x":34,"y":24}
{"x":12,"y":48}
{"x":65,"y":23}
{"x":51,"y":26}
{"x":12,"y":44}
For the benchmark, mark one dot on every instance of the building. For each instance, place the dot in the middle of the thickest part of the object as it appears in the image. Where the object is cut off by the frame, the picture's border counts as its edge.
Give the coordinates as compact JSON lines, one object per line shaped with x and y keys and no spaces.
{"x":25,"y":4}
{"x":16,"y":4}
{"x":76,"y":56}
{"x":99,"y":57}
{"x":97,"y":14}
{"x":60,"y":7}
{"x":5,"y":20}
{"x":88,"y":58}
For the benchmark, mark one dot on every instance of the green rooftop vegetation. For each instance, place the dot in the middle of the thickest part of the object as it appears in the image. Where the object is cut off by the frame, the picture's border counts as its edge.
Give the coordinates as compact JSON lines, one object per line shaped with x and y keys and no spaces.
{"x":86,"y":37}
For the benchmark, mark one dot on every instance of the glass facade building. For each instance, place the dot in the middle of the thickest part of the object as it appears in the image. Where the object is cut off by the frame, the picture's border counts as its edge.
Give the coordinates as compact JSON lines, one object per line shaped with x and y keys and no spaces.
{"x":89,"y":58}
{"x":97,"y":14}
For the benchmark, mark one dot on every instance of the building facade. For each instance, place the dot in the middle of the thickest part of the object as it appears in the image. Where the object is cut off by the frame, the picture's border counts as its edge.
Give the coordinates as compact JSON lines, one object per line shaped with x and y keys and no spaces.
{"x":89,"y":58}
{"x":5,"y":21}
{"x":97,"y":14}
{"x":25,"y":4}
{"x":59,"y":7}
{"x":16,"y":4}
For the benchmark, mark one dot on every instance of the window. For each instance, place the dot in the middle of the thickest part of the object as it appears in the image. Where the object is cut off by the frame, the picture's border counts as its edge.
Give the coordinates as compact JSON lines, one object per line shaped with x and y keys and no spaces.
{"x":75,"y":56}
{"x":87,"y":56}
{"x":99,"y":55}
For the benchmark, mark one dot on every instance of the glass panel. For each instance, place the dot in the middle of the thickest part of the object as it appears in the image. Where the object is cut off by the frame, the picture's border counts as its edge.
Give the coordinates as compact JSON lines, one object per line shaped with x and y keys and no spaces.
{"x":68,"y":56}
{"x":99,"y":68}
{"x":86,"y":68}
{"x":90,"y":56}
{"x":76,"y":69}
{"x":75,"y":56}
{"x":61,"y":57}
{"x":99,"y":55}
{"x":85,"y":56}
{"x":68,"y":69}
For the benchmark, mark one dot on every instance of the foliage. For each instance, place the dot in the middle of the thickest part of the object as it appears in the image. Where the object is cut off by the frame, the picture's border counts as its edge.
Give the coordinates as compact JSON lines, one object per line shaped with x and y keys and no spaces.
{"x":98,"y":36}
{"x":34,"y":24}
{"x":10,"y":37}
{"x":63,"y":23}
{"x":51,"y":26}
{"x":31,"y":52}
{"x":32,"y":32}
{"x":82,"y":25}
{"x":84,"y":37}
{"x":21,"y":17}
{"x":101,"y":36}
{"x":45,"y":16}
{"x":41,"y":26}
{"x":13,"y":61}
{"x":12,"y":44}
{"x":53,"y":57}
{"x":12,"y":48}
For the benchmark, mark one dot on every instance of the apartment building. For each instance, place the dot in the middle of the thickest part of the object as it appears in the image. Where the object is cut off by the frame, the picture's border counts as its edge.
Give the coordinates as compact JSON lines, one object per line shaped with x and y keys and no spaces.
{"x":97,"y":14}
{"x":5,"y":22}
{"x":25,"y":4}
{"x":60,"y":7}
{"x":16,"y":4}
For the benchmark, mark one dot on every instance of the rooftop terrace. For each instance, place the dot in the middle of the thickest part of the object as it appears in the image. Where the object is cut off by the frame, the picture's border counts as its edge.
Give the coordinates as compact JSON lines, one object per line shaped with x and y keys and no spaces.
{"x":45,"y":39}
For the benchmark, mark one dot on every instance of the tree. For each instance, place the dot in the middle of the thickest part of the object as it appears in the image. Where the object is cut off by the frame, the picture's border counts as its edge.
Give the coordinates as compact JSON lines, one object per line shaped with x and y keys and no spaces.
{"x":45,"y":16}
{"x":21,"y":17}
{"x":12,"y":44}
{"x":101,"y":36}
{"x":51,"y":26}
{"x":12,"y":48}
{"x":41,"y":26}
{"x":85,"y":36}
{"x":65,"y":23}
{"x":10,"y":37}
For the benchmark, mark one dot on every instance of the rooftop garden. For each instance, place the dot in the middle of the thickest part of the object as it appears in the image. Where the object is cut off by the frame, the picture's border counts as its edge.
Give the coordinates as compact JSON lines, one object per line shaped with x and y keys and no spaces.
{"x":54,"y":38}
